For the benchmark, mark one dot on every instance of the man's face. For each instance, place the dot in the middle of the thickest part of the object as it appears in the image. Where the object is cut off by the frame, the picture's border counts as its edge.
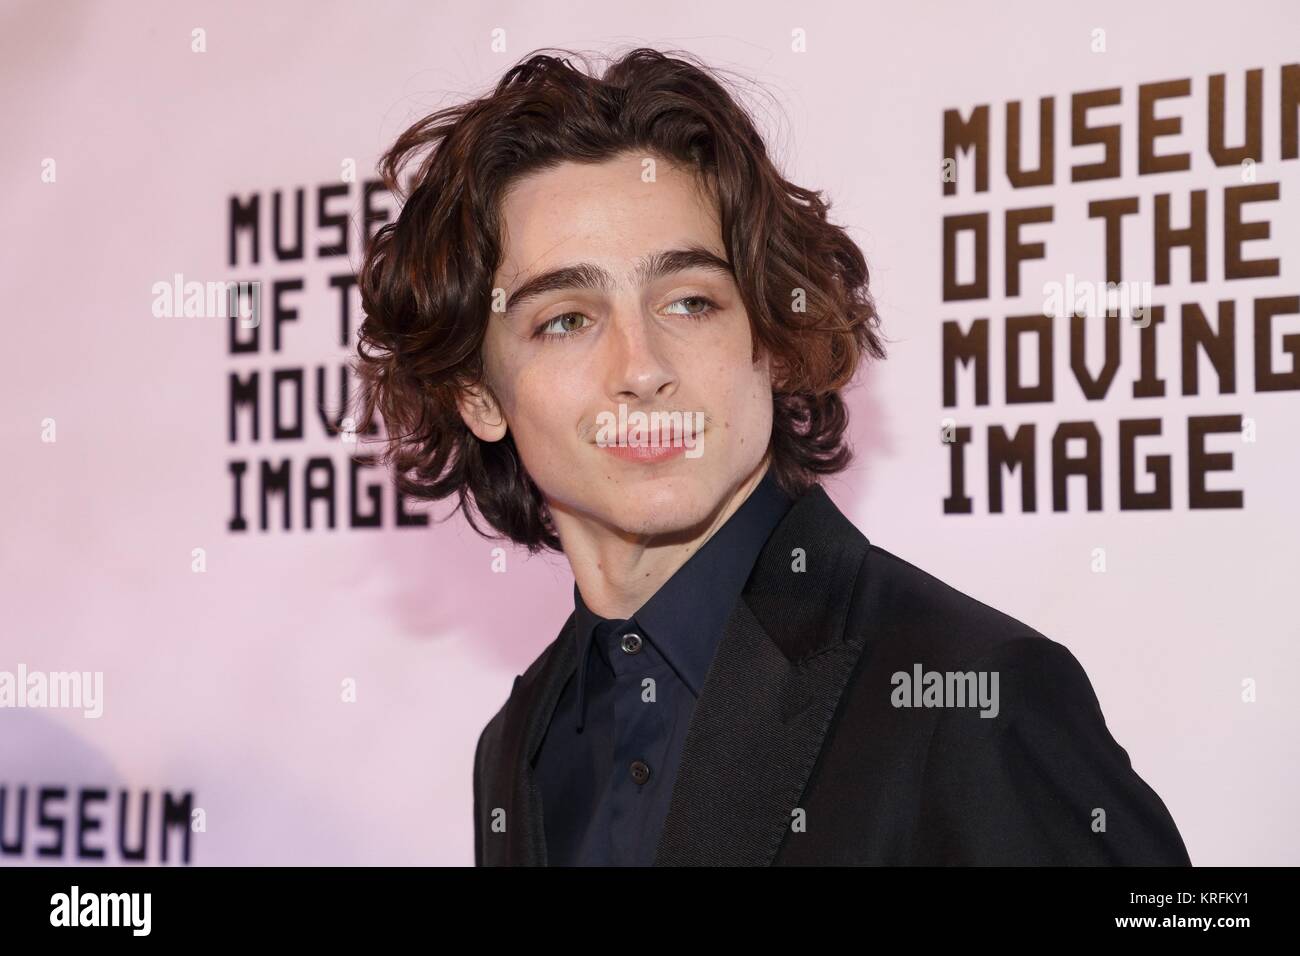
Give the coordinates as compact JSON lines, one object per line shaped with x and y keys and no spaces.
{"x":672,"y":339}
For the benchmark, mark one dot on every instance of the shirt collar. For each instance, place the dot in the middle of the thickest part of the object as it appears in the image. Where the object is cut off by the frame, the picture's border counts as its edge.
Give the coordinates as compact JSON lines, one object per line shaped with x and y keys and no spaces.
{"x":684,"y":619}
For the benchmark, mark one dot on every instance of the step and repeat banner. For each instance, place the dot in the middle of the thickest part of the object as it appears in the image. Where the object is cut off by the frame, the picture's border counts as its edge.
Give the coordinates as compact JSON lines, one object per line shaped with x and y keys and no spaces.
{"x":227,"y":639}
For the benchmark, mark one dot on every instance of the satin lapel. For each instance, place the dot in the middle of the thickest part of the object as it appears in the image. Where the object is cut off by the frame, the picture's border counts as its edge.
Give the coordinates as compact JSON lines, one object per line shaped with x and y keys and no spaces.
{"x":770,"y":694}
{"x":532,"y":702}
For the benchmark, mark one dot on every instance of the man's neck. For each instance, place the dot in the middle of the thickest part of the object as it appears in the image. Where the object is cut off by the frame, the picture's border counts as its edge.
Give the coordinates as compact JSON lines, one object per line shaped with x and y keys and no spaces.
{"x":616,"y":573}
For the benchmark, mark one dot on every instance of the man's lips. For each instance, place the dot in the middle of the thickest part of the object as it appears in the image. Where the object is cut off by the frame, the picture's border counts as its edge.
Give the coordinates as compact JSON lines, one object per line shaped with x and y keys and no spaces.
{"x":664,"y":448}
{"x":676,"y":439}
{"x":644,"y":453}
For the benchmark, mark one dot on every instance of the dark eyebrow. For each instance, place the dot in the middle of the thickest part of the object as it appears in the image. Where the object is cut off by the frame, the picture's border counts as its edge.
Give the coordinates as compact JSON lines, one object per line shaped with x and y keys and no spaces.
{"x":587,"y":275}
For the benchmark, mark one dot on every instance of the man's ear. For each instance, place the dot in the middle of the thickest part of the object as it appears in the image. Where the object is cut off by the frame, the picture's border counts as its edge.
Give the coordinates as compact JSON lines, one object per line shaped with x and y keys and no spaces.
{"x":481,"y":413}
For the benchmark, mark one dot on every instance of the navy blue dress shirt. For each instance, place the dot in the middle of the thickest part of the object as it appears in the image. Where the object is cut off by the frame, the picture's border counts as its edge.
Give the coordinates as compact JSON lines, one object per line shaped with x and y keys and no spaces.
{"x":607,"y":763}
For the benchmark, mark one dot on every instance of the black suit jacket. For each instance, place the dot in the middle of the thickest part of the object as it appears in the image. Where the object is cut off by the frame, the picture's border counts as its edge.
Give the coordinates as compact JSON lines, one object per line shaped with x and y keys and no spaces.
{"x":796,"y":752}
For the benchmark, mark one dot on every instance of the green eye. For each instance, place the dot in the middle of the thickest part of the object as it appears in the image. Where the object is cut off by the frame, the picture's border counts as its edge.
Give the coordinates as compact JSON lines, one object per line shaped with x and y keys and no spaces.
{"x":709,"y":306}
{"x":563,"y":328}
{"x":564,"y":332}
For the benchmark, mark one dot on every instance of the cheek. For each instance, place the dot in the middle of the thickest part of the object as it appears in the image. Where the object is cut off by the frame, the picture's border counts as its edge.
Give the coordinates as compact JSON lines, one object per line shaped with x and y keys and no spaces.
{"x":754,"y":392}
{"x":741,"y":398}
{"x":543,"y":410}
{"x":517,"y":383}
{"x":725,"y":352}
{"x":499,"y":372}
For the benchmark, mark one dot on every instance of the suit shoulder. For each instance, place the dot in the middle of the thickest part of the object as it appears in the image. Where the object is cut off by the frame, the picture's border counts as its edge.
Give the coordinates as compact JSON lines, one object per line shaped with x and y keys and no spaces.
{"x":910,"y":606}
{"x":491,"y":731}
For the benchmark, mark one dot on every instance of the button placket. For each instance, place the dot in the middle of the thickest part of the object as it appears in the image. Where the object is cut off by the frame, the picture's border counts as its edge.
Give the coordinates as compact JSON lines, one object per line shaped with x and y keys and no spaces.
{"x":630,"y":666}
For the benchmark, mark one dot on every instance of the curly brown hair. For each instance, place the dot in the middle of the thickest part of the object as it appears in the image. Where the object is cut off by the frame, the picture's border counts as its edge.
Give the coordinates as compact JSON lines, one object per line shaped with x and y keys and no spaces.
{"x":427,"y":278}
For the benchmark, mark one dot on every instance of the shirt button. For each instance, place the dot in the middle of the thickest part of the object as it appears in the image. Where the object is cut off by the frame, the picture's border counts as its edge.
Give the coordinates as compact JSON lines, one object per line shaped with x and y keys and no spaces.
{"x":640,"y":771}
{"x":631,"y":643}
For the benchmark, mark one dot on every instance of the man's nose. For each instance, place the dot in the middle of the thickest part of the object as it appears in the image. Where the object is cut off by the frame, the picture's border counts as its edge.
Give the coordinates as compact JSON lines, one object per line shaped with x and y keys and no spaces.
{"x":639,"y":366}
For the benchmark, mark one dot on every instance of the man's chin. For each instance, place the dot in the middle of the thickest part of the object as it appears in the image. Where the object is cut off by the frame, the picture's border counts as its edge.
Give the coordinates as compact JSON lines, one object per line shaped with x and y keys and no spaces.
{"x":662,"y":512}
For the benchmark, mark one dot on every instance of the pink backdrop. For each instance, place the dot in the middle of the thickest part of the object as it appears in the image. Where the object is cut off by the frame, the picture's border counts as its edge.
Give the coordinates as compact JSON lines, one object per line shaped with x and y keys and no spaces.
{"x":230,"y":683}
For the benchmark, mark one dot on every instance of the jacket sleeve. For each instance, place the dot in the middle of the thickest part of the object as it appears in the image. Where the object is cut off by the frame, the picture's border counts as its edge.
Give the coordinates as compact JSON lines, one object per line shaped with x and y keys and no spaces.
{"x":1041,"y":783}
{"x":478,"y":799}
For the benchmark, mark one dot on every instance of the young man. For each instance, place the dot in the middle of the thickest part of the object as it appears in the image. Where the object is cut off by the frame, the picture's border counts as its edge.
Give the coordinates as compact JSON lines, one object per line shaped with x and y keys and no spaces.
{"x":745,"y":678}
